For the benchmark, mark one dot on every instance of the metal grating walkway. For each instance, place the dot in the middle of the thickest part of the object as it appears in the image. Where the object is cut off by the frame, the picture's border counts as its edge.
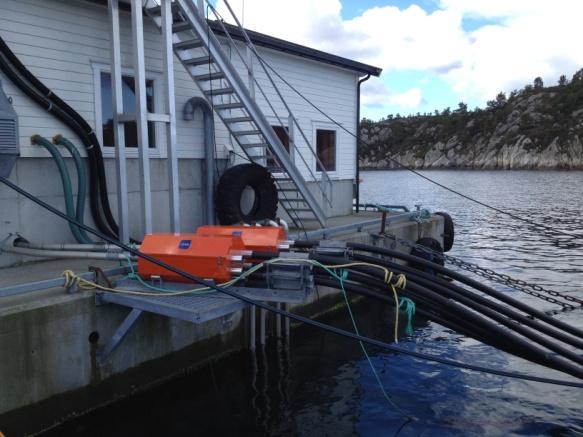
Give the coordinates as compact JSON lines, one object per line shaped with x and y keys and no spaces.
{"x":191,"y":308}
{"x":196,"y":308}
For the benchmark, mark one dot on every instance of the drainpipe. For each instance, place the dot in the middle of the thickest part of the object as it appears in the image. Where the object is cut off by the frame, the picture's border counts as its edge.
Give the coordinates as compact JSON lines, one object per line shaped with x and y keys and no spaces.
{"x":357,"y":177}
{"x":190,"y":106}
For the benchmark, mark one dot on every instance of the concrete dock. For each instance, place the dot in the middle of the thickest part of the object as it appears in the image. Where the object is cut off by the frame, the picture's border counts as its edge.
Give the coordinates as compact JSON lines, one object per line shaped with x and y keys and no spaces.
{"x":49,"y":339}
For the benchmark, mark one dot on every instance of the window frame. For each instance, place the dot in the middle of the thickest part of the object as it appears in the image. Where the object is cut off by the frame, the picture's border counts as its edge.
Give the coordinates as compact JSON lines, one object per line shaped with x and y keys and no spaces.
{"x":159,"y":151}
{"x":316,"y":126}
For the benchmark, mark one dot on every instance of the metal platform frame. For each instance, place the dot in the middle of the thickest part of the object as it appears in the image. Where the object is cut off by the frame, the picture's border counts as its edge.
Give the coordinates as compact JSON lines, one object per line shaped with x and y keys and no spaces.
{"x":202,"y":308}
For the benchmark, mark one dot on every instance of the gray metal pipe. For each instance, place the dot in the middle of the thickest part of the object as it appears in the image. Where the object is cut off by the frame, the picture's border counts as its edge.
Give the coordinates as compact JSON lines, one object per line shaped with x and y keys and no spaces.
{"x":190,"y":106}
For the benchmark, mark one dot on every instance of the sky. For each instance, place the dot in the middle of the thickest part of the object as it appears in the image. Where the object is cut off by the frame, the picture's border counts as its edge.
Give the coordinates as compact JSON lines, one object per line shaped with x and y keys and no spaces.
{"x":434,"y":53}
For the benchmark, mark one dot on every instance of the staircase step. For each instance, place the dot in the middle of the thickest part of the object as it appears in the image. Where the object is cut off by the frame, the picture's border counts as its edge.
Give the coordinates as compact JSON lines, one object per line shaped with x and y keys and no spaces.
{"x":234,"y":105}
{"x":246,"y":132}
{"x":157,"y":10}
{"x":210,"y":76}
{"x":188,"y":44}
{"x":237,"y":119}
{"x":298,"y":200}
{"x":253,"y":145}
{"x":218,"y":91}
{"x":298,"y":209}
{"x":181,"y":26}
{"x":288,"y":189}
{"x":202,"y":60}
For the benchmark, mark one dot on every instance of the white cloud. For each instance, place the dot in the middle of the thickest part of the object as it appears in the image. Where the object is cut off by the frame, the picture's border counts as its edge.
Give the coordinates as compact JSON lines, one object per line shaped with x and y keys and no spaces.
{"x":529,"y":38}
{"x":409,"y":99}
{"x":375,"y":94}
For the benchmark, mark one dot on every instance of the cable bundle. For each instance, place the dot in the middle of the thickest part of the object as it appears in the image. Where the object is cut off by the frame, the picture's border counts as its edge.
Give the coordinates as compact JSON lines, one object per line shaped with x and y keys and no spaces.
{"x":498,"y":319}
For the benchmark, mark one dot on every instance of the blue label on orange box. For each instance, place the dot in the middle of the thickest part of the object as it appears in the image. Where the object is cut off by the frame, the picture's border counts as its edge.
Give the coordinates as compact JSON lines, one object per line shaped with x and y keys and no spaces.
{"x":184,"y":244}
{"x":237,"y":233}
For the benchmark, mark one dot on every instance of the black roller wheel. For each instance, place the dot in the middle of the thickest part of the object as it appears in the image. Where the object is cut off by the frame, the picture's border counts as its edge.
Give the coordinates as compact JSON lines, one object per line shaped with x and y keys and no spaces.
{"x":246,"y":193}
{"x":430,"y":243}
{"x":448,"y":231}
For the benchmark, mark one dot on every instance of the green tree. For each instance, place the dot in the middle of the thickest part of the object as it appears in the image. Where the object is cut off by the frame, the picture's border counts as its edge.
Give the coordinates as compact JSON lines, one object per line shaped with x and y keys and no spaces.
{"x":538,"y":83}
{"x":563,"y":80}
{"x":462,"y":108}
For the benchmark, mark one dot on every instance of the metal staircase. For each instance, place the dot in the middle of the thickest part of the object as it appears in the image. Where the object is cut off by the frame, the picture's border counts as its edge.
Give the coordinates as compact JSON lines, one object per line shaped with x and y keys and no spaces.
{"x":203,"y":56}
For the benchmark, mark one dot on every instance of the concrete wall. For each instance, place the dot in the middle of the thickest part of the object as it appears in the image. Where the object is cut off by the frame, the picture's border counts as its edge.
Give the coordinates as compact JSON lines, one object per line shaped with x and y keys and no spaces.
{"x":40,"y":177}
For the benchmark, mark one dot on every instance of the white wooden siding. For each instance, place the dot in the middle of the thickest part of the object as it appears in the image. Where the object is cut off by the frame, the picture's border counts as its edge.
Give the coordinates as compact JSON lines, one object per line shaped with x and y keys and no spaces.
{"x":60,"y":41}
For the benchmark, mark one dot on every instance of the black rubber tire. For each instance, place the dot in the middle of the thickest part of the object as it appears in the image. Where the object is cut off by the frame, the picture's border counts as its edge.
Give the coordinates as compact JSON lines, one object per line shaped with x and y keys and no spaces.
{"x":230,"y":189}
{"x":448,"y":231}
{"x":432,"y":244}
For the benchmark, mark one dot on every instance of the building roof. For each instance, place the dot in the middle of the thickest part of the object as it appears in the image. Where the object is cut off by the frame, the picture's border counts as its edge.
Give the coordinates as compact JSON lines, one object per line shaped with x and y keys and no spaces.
{"x":281,"y":45}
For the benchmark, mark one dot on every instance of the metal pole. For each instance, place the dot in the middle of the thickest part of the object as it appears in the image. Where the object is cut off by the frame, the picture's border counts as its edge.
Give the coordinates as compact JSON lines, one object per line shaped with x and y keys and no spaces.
{"x":170,"y":102}
{"x":118,"y":132}
{"x":262,"y":317}
{"x":286,"y":308}
{"x":278,"y":321}
{"x":142,"y":113}
{"x":252,"y":330}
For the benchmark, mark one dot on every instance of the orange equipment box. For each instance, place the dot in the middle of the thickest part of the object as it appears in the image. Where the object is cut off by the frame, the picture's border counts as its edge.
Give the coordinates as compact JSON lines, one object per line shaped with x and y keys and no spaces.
{"x":257,"y":238}
{"x":208,"y":257}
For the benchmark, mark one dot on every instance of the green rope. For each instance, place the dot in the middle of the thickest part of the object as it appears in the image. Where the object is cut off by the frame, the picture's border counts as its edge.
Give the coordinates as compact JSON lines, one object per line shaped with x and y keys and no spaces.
{"x":341,"y":277}
{"x":408,"y":307}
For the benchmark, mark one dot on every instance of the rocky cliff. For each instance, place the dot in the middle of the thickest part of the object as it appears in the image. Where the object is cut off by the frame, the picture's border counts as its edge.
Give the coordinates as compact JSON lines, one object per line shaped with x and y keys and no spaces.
{"x":536,"y":127}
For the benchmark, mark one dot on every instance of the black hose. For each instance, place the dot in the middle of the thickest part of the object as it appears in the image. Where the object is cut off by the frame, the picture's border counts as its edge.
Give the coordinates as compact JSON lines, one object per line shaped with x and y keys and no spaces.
{"x":511,"y":341}
{"x":420,"y":297}
{"x":327,"y":281}
{"x":49,"y":101}
{"x":489,"y":308}
{"x":461,"y":278}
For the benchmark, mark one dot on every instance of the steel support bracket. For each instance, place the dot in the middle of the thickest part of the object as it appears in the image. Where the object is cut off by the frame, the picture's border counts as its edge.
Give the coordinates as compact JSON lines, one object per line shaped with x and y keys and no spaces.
{"x":104,"y":352}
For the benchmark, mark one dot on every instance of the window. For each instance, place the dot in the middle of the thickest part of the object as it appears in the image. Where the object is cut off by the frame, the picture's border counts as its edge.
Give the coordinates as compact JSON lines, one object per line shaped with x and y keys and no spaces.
{"x":129,"y":106}
{"x":326,"y":149}
{"x":282,"y":134}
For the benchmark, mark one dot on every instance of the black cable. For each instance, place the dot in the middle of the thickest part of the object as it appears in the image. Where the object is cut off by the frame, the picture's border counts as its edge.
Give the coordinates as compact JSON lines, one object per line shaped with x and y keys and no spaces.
{"x":341,"y":332}
{"x":461,"y":278}
{"x":405,"y":167}
{"x":438,"y":317}
{"x":495,"y":335}
{"x":498,"y":336}
{"x":492,"y":309}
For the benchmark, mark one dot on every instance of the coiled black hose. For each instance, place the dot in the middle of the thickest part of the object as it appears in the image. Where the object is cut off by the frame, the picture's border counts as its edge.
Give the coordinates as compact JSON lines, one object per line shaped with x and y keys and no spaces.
{"x":43,"y":96}
{"x":577,"y":333}
{"x":502,"y":338}
{"x":499,"y":337}
{"x":500,"y":313}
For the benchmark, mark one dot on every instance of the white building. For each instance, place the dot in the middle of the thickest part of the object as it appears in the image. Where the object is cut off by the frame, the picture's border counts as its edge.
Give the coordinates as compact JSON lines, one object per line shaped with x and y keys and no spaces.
{"x":66,"y":45}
